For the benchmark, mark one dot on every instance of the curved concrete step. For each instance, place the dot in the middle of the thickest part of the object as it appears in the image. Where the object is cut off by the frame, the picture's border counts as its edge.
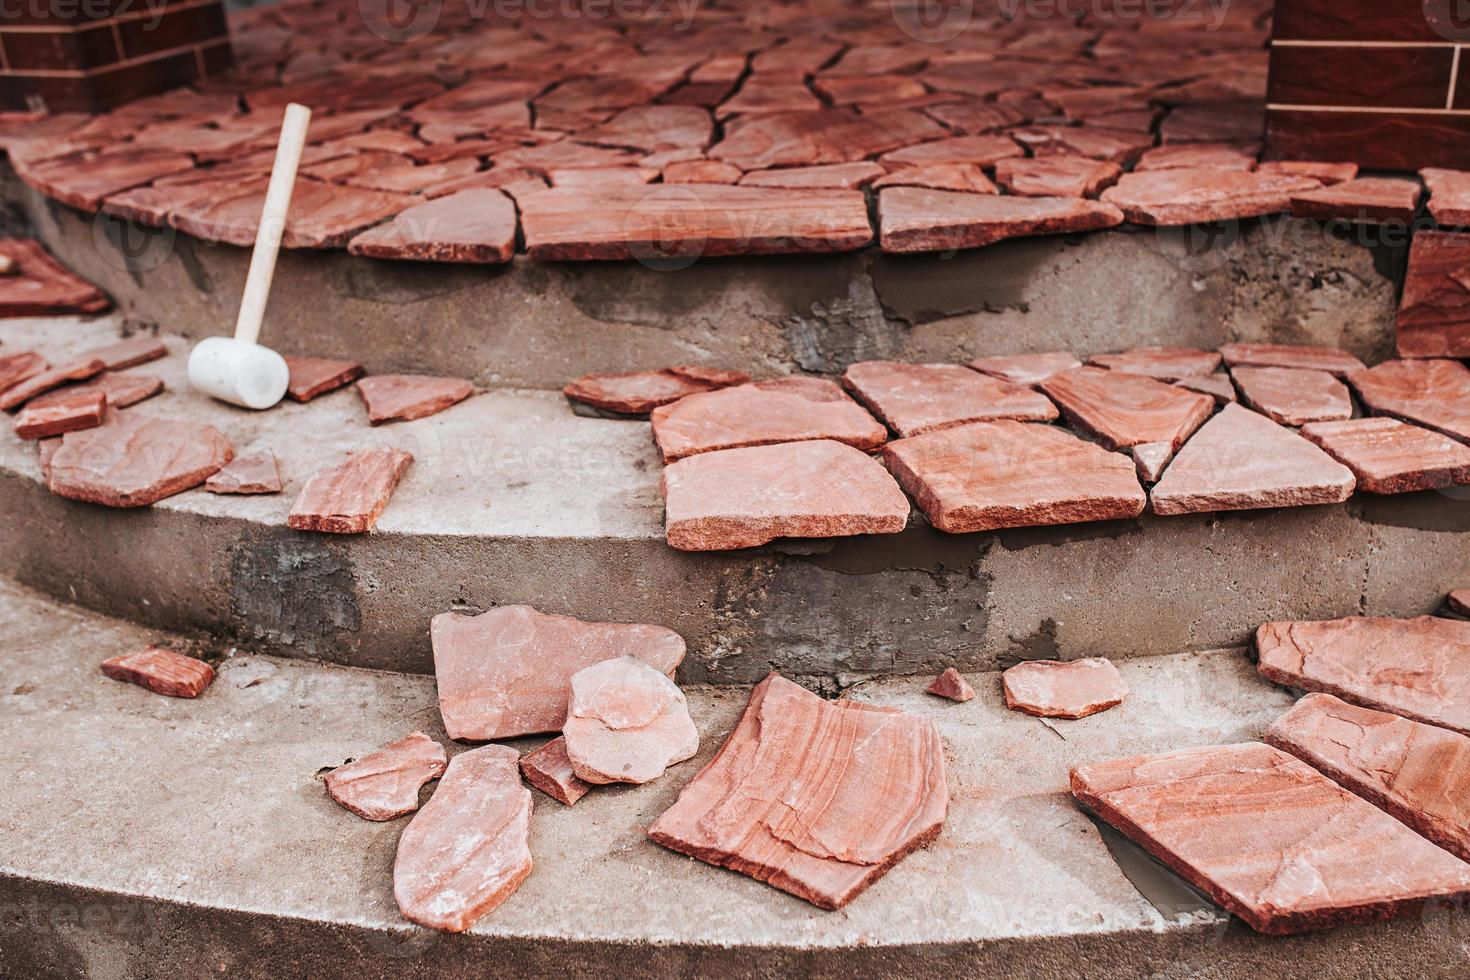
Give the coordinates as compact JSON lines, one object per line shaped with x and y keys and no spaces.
{"x":155,"y":835}
{"x":512,"y":499}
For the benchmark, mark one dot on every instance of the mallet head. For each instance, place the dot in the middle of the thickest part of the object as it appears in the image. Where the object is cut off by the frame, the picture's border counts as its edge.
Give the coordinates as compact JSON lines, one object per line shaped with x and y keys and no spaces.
{"x":239,"y":372}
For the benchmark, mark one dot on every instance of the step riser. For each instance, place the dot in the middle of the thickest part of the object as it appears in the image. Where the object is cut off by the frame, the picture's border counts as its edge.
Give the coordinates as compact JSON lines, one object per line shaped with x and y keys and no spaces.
{"x":539,"y":325}
{"x":912,"y":603}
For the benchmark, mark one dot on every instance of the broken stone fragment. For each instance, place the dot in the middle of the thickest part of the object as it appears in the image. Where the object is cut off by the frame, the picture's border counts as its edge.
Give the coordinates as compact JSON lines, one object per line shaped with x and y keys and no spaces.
{"x":1269,"y":838}
{"x":915,"y":398}
{"x":917,"y":219}
{"x":1459,"y":601}
{"x":816,"y":798}
{"x":952,"y":686}
{"x":1432,"y":393}
{"x":1327,"y":173}
{"x":1160,"y":363}
{"x":128,"y":353}
{"x":1150,"y":459}
{"x":1417,"y":773}
{"x":385,"y":783}
{"x":1123,"y":410}
{"x":38,"y":384}
{"x":626,"y":723}
{"x":507,"y":672}
{"x":469,"y":848}
{"x":313,"y":376}
{"x":134,"y":460}
{"x":1365,"y":200}
{"x":1194,"y":196}
{"x":476,"y":225}
{"x":550,"y":770}
{"x":252,"y":473}
{"x":1389,"y":456}
{"x":59,"y":416}
{"x":349,"y":498}
{"x":1026,"y":369}
{"x":1064,"y":689}
{"x":1055,"y":176}
{"x":1218,"y":386}
{"x":120,"y":390}
{"x":640,"y":392}
{"x":20,"y":366}
{"x":1418,"y":668}
{"x":1329,"y":359}
{"x":161,"y":671}
{"x":1294,"y":396}
{"x":401,"y":397}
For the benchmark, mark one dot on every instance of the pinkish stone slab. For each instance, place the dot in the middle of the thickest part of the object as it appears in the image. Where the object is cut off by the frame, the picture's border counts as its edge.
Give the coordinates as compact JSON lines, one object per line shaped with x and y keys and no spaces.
{"x":1064,"y":689}
{"x":837,"y":176}
{"x":475,"y":226}
{"x":118,"y":390}
{"x":1370,"y":200}
{"x":313,"y":376}
{"x":507,"y":672}
{"x":700,"y":172}
{"x":1240,"y":460}
{"x":964,"y":177}
{"x":385,"y":783}
{"x":1150,"y":459}
{"x":640,"y":392}
{"x":1056,"y":176}
{"x":349,"y":498}
{"x":1326,"y":173}
{"x":916,"y":219}
{"x":468,"y":849}
{"x":762,"y":413}
{"x":1196,"y":156}
{"x":1449,"y":196}
{"x":1330,"y":359}
{"x":549,"y":769}
{"x":1119,"y":146}
{"x":817,"y":798}
{"x":1294,"y":396}
{"x":1012,"y":474}
{"x":38,"y":384}
{"x":981,"y":151}
{"x":1026,"y":369}
{"x":161,"y":671}
{"x":1181,"y":197}
{"x":1123,"y":410}
{"x":916,"y":398}
{"x":401,"y":397}
{"x":1160,"y":363}
{"x":1268,"y":837}
{"x":1434,"y":314}
{"x":626,"y":723}
{"x":129,"y":353}
{"x":1418,"y":668}
{"x":1218,"y":386}
{"x":1389,"y":456}
{"x":255,"y":472}
{"x":134,"y":460}
{"x":951,"y":686}
{"x":17,"y":367}
{"x":1417,"y":773}
{"x":75,"y":411}
{"x":1433,"y":393}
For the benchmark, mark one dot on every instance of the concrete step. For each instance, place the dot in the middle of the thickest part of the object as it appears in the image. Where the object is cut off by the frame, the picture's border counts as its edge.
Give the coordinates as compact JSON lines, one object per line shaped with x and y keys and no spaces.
{"x":160,"y":837}
{"x":539,"y":324}
{"x":512,"y":498}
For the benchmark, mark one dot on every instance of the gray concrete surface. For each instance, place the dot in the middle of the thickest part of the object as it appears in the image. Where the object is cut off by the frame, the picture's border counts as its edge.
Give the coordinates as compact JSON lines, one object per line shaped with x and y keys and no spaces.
{"x":513,"y":498}
{"x":538,"y":325}
{"x":161,"y":837}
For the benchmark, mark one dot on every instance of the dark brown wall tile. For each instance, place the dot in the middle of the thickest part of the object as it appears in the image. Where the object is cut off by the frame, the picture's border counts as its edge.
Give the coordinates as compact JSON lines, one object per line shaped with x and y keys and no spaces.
{"x":119,"y":85}
{"x":1389,"y":77}
{"x":1374,"y":140}
{"x":1371,"y":20}
{"x":174,"y":29}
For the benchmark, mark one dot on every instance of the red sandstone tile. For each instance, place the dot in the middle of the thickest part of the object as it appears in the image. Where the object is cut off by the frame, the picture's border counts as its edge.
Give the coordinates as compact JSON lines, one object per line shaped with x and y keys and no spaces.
{"x":1327,"y":173}
{"x":321,"y":215}
{"x":1150,"y":459}
{"x":402,"y":397}
{"x":385,"y":783}
{"x":914,"y":219}
{"x":470,"y":226}
{"x":915,"y":398}
{"x":1196,"y":156}
{"x":654,"y":127}
{"x":980,"y":151}
{"x":313,"y":376}
{"x":135,"y":460}
{"x":1160,"y":363}
{"x":129,"y":353}
{"x":640,"y":392}
{"x":1026,"y":369}
{"x":82,"y":180}
{"x":1374,"y":200}
{"x":1434,"y":314}
{"x":626,"y":723}
{"x":1329,"y":359}
{"x":785,"y":139}
{"x":119,"y":390}
{"x":349,"y":497}
{"x":770,"y":93}
{"x":1449,"y":196}
{"x":549,"y":770}
{"x":966,"y":177}
{"x":1064,"y":689}
{"x":1123,"y":410}
{"x":38,"y":384}
{"x":1056,"y":176}
{"x":252,"y":473}
{"x":1218,"y":386}
{"x":951,"y":686}
{"x":846,"y":176}
{"x":1180,"y":197}
{"x":61,"y":415}
{"x":20,"y":366}
{"x":1431,"y":393}
{"x":161,"y":671}
{"x":1294,"y":396}
{"x":1119,"y":146}
{"x":870,"y":91}
{"x":43,"y":287}
{"x":597,"y":179}
{"x":1241,"y":120}
{"x":700,"y":172}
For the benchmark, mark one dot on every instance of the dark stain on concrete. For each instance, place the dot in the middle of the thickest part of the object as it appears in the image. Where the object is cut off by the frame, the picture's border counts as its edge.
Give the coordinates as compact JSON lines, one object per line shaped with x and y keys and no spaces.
{"x":292,"y":590}
{"x":1429,"y":510}
{"x":199,"y":278}
{"x":1160,"y":887}
{"x":921,"y":289}
{"x":393,"y":282}
{"x":1021,"y":538}
{"x":1039,"y":644}
{"x":829,"y":336}
{"x":920,"y":548}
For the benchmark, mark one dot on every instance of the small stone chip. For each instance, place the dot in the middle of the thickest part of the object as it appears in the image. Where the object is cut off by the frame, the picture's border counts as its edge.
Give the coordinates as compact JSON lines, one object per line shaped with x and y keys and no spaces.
{"x":252,"y":473}
{"x":1064,"y":689}
{"x":550,"y":770}
{"x":385,"y":783}
{"x":312,"y":376}
{"x":69,"y":414}
{"x":402,"y":397}
{"x":161,"y":671}
{"x":952,"y":686}
{"x":348,"y":498}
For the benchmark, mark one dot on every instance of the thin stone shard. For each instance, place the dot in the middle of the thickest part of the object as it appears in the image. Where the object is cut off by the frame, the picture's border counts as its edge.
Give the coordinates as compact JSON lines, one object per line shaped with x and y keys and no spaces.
{"x":252,"y":473}
{"x":550,"y":770}
{"x":385,"y":783}
{"x":161,"y":671}
{"x":402,"y":397}
{"x":76,"y":411}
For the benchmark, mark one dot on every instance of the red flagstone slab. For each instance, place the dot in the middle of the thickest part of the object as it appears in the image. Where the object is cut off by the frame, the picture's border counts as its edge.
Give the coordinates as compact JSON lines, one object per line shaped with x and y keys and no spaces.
{"x":1208,"y":122}
{"x":1218,"y":386}
{"x":1449,"y":196}
{"x":1434,"y":315}
{"x":20,"y":366}
{"x":471,"y":226}
{"x":507,"y":672}
{"x":1064,"y":689}
{"x":135,"y":460}
{"x":1160,"y":363}
{"x":626,"y":723}
{"x":385,"y":783}
{"x":701,"y":172}
{"x":915,"y":219}
{"x":1118,"y":146}
{"x":640,"y":392}
{"x":129,"y":353}
{"x":38,"y":384}
{"x":594,"y":179}
{"x":915,"y":398}
{"x":964,"y":177}
{"x":83,"y":179}
{"x":1123,"y":410}
{"x":1150,"y":460}
{"x":1434,"y":393}
{"x":1026,"y":369}
{"x":120,"y":390}
{"x":1327,"y":173}
{"x":1417,"y":773}
{"x":993,"y":475}
{"x":654,"y":127}
{"x":161,"y":671}
{"x":313,"y":376}
{"x":786,"y":409}
{"x":951,"y":686}
{"x":1181,"y":197}
{"x":1196,"y":156}
{"x":1370,"y":200}
{"x":847,"y":176}
{"x":1389,"y":456}
{"x":321,"y":216}
{"x":349,"y":498}
{"x":70,"y":413}
{"x":1241,"y":460}
{"x":816,"y":798}
{"x":980,"y":151}
{"x":770,"y":93}
{"x":1294,"y":396}
{"x":468,"y":849}
{"x":550,"y":770}
{"x":1056,"y":176}
{"x":255,"y":472}
{"x":1329,"y":359}
{"x":743,"y":498}
{"x":1268,"y":837}
{"x":403,"y":397}
{"x":802,"y":139}
{"x":1418,"y":668}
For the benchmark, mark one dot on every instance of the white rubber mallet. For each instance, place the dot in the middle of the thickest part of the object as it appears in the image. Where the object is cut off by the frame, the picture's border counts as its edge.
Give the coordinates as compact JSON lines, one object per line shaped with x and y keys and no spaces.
{"x":237,"y":369}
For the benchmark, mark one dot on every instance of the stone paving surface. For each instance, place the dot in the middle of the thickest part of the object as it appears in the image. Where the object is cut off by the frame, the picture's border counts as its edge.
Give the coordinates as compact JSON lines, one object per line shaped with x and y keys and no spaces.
{"x":1434,"y":315}
{"x":38,"y":285}
{"x":1389,"y":456}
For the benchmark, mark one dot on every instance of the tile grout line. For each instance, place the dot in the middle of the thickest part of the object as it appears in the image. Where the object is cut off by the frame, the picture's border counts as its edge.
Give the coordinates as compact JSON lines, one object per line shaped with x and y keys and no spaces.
{"x":1378,"y":110}
{"x":1362,"y":44}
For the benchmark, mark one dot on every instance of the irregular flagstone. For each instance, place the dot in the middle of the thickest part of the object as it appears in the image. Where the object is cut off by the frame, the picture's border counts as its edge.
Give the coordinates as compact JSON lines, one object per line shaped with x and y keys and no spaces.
{"x":1389,"y":456}
{"x":38,"y":384}
{"x":349,"y":498}
{"x":816,"y":798}
{"x":1196,"y":156}
{"x":982,"y":151}
{"x":1012,"y":474}
{"x":17,"y":367}
{"x":701,"y":172}
{"x":71,"y":413}
{"x":1218,"y":386}
{"x":847,"y":176}
{"x":129,"y":353}
{"x":256,"y":472}
{"x":1432,"y":393}
{"x":161,"y":671}
{"x":916,"y":219}
{"x":1434,"y":314}
{"x":1294,"y":396}
{"x":654,"y":127}
{"x":41,"y":286}
{"x":1181,"y":197}
{"x":1269,"y":838}
{"x":783,"y":139}
{"x":915,"y":398}
{"x":118,"y":390}
{"x":1241,"y":460}
{"x":550,"y":770}
{"x":477,"y":225}
{"x":1160,"y":363}
{"x":626,"y":723}
{"x":321,"y":215}
{"x":640,"y":392}
{"x":468,"y":849}
{"x":385,"y":783}
{"x":1418,"y":668}
{"x":402,"y":397}
{"x":1123,"y":410}
{"x":1373,"y":200}
{"x":1064,"y":689}
{"x":743,"y":498}
{"x":1119,"y":146}
{"x":600,"y":178}
{"x":1329,"y":359}
{"x":1026,"y":369}
{"x":1449,"y":196}
{"x":966,"y":177}
{"x":507,"y":672}
{"x":1326,"y":173}
{"x":1056,"y":176}
{"x":786,"y":409}
{"x":951,"y":686}
{"x":1150,"y":459}
{"x":313,"y":376}
{"x":134,"y":460}
{"x":1417,"y":773}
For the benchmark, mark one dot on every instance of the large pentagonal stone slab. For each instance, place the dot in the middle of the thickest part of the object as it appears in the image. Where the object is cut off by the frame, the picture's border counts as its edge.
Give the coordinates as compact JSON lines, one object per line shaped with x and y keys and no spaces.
{"x":1294,"y":396}
{"x":134,"y":460}
{"x":1431,"y":393}
{"x":915,"y":398}
{"x":1123,"y":410}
